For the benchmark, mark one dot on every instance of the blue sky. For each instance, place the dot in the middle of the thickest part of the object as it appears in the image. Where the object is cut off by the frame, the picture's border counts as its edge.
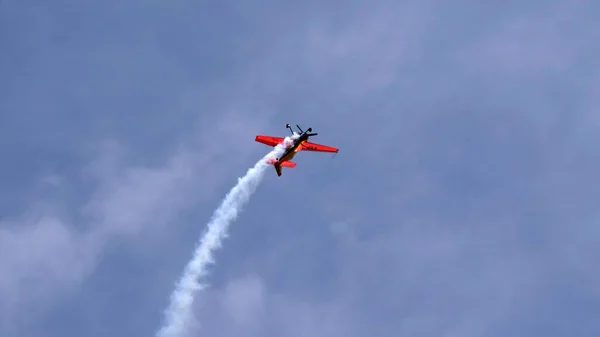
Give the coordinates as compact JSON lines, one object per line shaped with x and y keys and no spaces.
{"x":462,"y":202}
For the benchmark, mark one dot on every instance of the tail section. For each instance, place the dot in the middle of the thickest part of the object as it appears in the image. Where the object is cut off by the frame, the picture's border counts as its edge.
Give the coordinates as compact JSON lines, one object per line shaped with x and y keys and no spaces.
{"x":278,"y":165}
{"x":288,"y":164}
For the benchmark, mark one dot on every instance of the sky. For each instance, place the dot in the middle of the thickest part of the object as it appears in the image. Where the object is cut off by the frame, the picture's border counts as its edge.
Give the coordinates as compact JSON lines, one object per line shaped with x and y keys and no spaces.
{"x":463,"y":201}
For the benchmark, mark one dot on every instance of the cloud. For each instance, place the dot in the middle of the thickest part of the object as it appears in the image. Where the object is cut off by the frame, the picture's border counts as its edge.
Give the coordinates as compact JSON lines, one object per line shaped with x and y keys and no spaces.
{"x":461,"y":203}
{"x":37,"y":254}
{"x":246,"y":308}
{"x":454,"y":207}
{"x":49,"y":251}
{"x":243,"y":300}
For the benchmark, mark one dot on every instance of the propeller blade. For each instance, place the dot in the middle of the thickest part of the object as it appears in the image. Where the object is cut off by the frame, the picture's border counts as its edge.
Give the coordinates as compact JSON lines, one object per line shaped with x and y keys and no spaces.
{"x":312,"y":134}
{"x":299,"y":128}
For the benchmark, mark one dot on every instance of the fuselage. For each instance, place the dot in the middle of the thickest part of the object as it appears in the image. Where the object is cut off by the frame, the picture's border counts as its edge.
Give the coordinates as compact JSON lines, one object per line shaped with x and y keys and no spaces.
{"x":292,"y":150}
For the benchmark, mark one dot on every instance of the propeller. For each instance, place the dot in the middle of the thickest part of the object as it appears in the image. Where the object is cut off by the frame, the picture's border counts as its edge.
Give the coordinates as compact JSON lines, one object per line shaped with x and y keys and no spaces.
{"x":289,"y":127}
{"x":310,"y":134}
{"x":302,"y":132}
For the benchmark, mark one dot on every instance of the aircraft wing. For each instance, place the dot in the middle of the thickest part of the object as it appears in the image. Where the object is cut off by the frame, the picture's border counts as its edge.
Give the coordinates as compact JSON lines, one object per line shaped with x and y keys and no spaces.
{"x":318,"y":148}
{"x":268,"y":140}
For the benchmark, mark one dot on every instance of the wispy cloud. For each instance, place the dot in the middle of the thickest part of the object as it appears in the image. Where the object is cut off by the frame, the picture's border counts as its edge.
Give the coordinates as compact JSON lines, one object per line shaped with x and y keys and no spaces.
{"x":451,"y":225}
{"x":179,"y":314}
{"x":51,"y":249}
{"x":45,"y":254}
{"x":462,"y":197}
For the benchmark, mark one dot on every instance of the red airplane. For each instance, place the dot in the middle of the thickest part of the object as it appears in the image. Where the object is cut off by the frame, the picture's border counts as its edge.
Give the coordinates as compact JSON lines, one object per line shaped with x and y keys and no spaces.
{"x":299,"y":144}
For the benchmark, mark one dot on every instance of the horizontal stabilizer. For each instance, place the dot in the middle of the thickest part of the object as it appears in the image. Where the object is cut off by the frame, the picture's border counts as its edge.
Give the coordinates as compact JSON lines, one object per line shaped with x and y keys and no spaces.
{"x":288,"y":164}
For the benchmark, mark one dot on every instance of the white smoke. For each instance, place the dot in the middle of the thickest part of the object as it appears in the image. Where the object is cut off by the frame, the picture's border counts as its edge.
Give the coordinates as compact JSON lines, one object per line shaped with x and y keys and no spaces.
{"x":178,"y":315}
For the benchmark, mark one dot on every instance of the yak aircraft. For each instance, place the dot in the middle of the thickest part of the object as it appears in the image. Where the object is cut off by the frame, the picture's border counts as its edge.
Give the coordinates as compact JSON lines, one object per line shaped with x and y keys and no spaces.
{"x":299,"y":144}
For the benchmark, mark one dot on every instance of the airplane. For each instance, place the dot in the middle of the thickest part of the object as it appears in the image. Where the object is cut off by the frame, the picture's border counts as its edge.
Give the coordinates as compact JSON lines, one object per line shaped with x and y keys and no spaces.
{"x":299,"y":144}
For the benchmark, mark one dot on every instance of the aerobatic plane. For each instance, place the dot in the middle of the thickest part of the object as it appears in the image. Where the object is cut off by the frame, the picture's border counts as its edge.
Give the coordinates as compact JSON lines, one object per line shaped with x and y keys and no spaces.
{"x":299,"y":144}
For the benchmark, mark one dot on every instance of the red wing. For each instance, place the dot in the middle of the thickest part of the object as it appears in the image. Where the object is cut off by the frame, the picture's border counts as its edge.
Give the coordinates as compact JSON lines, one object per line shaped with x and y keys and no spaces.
{"x":268,"y":140}
{"x":318,"y":148}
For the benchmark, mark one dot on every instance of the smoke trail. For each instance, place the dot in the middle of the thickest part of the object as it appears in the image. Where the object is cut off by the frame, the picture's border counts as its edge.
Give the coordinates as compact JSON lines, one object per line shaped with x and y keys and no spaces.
{"x":178,"y":315}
